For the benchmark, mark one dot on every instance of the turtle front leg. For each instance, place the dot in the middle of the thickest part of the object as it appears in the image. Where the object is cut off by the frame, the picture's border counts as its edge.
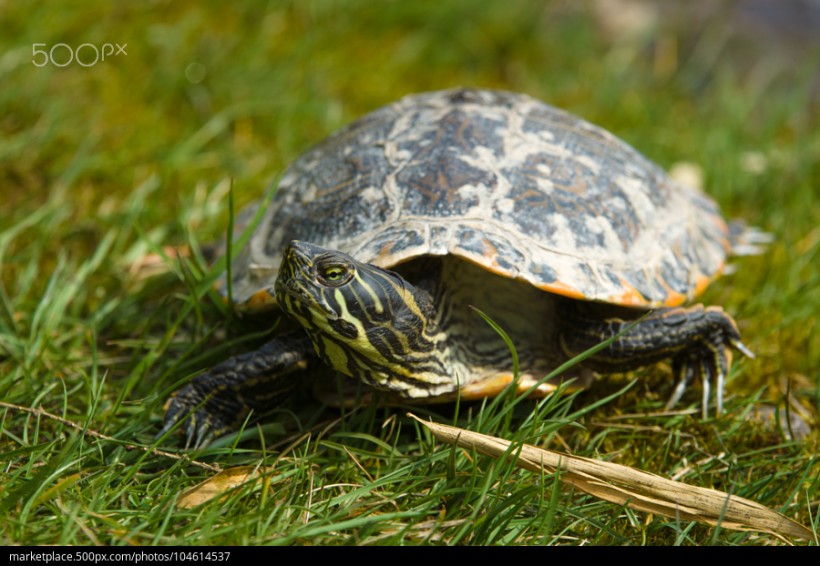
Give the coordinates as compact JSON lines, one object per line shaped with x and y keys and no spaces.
{"x":696,"y":339}
{"x":218,"y":401}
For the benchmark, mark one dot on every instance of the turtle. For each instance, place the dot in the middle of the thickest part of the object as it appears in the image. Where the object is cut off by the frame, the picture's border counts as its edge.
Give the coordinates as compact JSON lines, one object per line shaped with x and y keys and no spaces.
{"x":383,"y":245}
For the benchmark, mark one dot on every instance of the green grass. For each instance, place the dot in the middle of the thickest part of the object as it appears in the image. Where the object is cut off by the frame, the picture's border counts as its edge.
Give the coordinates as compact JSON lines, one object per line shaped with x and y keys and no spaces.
{"x":104,"y":165}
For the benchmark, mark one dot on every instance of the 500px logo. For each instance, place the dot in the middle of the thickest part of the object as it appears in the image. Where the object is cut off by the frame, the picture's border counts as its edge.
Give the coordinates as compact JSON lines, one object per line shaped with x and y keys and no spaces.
{"x":85,"y":55}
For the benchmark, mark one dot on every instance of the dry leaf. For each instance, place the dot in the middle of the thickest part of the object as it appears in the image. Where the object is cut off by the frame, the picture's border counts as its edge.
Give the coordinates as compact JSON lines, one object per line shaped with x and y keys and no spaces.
{"x":636,"y":489}
{"x":219,"y":484}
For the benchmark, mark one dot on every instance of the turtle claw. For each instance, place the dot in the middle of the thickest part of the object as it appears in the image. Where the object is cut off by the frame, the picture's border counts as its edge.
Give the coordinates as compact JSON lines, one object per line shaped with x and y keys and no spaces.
{"x":198,"y":435}
{"x":218,"y":401}
{"x":709,"y":360}
{"x":741,"y":347}
{"x":685,"y":374}
{"x":190,"y":410}
{"x":699,"y":340}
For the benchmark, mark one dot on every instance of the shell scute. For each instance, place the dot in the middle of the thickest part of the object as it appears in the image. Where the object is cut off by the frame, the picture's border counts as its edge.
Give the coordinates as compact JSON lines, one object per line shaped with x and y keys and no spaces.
{"x":504,"y":181}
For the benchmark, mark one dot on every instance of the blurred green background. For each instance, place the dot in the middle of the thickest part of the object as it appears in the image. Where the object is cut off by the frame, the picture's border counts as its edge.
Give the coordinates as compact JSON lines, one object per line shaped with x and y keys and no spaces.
{"x":146,"y":142}
{"x":208,"y":91}
{"x":105,"y":163}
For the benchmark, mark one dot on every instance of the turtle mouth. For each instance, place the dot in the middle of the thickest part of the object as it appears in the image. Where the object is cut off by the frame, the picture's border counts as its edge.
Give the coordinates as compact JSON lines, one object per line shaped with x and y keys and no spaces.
{"x":294,"y":297}
{"x":294,"y":265}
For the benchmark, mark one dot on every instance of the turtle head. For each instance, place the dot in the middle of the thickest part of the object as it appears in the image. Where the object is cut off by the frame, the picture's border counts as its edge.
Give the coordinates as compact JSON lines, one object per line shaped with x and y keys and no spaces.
{"x":364,"y":321}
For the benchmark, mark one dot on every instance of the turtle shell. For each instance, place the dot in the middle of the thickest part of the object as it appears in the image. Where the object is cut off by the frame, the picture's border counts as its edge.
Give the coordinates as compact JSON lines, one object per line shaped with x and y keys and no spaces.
{"x":504,"y":181}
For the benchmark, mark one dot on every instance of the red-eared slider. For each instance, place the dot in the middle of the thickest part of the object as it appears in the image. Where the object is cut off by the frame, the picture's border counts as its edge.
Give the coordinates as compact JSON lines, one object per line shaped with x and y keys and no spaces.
{"x":380,"y":239}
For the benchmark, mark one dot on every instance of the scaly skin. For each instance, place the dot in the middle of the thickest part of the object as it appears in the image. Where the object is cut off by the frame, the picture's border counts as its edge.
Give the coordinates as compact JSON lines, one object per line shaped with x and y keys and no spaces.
{"x":697,"y":339}
{"x":368,"y":344}
{"x":219,"y":400}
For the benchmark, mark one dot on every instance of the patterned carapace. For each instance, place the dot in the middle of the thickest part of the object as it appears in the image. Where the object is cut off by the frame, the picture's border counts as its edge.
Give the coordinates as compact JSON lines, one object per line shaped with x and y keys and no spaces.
{"x":509,"y":183}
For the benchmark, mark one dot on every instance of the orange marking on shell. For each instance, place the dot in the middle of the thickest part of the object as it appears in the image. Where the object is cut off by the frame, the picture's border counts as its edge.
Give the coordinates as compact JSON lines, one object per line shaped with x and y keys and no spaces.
{"x":630,"y":297}
{"x":385,"y":250}
{"x":261,"y":300}
{"x":563,"y":289}
{"x":702,"y":282}
{"x":491,"y":254}
{"x":673,"y":298}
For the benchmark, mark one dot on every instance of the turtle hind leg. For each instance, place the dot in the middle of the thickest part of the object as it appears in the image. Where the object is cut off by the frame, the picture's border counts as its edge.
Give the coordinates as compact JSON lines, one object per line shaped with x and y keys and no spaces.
{"x":698,"y":340}
{"x":219,"y":400}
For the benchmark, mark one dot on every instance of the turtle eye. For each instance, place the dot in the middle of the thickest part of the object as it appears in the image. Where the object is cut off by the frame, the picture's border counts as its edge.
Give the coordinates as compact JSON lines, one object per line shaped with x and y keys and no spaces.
{"x":334,"y":274}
